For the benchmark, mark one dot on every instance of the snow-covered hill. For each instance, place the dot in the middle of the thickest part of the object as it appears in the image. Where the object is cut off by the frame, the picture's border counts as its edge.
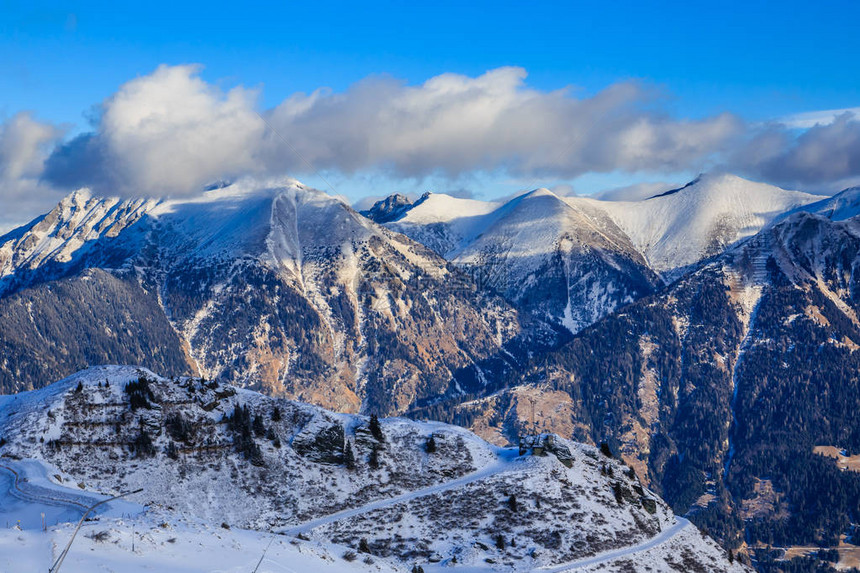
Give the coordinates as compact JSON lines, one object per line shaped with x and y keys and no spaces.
{"x":680,"y":228}
{"x":207,"y":453}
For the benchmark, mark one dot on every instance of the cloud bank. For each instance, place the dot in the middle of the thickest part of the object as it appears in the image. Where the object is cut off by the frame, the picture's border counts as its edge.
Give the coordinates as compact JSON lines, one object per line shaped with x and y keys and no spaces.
{"x":171,"y":132}
{"x":827,"y":154}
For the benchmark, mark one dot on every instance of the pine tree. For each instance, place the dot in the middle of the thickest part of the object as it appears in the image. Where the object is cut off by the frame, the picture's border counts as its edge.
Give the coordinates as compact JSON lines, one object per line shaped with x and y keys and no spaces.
{"x":349,"y":456}
{"x":363,"y":547}
{"x":605,"y":450}
{"x":80,"y":388}
{"x":619,"y":493}
{"x":376,"y":429}
{"x":142,"y":445}
{"x":172,"y":451}
{"x":276,"y":414}
{"x":512,"y":503}
{"x":500,"y":542}
{"x":431,"y":444}
{"x":259,"y":426}
{"x":374,"y":457}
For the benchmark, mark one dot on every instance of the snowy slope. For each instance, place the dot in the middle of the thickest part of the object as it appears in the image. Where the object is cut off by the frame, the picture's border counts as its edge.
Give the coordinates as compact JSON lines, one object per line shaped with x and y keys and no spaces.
{"x":452,"y":502}
{"x":672,"y":231}
{"x":164,"y":541}
{"x":680,"y":228}
{"x":564,"y":262}
{"x":843,"y":205}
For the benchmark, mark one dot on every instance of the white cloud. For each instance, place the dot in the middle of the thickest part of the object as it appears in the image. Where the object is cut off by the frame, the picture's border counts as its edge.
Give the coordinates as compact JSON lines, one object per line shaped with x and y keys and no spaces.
{"x":24,"y":145}
{"x":813,"y":118}
{"x":170,"y":132}
{"x":166,"y":133}
{"x":453,"y":124}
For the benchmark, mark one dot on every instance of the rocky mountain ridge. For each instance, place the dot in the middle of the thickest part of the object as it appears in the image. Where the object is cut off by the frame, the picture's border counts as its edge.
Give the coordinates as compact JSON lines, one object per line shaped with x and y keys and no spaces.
{"x":281,"y":288}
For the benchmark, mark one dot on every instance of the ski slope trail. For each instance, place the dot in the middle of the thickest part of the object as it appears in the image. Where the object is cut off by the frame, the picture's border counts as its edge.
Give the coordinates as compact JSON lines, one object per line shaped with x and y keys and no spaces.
{"x":508,"y":460}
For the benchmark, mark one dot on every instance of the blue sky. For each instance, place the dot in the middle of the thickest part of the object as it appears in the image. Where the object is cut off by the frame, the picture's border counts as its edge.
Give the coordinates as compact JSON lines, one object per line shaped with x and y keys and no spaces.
{"x":757,"y":60}
{"x":751,"y":57}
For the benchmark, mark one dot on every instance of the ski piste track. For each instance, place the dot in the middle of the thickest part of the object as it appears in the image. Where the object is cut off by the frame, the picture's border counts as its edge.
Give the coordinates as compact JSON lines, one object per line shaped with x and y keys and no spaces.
{"x":28,"y":474}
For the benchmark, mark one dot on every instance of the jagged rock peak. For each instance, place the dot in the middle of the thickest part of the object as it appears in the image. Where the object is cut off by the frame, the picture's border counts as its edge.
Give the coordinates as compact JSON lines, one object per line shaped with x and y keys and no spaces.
{"x":388,"y":209}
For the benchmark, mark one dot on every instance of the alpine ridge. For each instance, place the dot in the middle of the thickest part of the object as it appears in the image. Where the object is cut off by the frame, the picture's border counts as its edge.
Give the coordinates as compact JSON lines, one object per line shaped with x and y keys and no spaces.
{"x":276,"y":287}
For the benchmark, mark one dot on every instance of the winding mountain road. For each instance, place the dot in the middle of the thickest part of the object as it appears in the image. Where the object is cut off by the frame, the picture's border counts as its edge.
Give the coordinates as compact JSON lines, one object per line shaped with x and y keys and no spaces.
{"x":659,"y":539}
{"x":30,"y":484}
{"x":507,"y":462}
{"x":28,"y":497}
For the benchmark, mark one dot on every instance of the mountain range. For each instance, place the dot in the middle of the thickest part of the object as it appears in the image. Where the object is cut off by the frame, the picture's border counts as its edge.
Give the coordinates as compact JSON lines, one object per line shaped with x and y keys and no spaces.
{"x":705,"y":335}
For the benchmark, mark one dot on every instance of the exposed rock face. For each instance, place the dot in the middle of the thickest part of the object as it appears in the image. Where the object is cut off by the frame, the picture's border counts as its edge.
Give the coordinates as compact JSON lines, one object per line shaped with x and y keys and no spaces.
{"x":388,"y":209}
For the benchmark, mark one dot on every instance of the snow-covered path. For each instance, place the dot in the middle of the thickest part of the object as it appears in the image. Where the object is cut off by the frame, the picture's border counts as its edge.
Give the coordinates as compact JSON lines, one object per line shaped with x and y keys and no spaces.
{"x":658,"y":539}
{"x":26,"y":493}
{"x":507,"y":461}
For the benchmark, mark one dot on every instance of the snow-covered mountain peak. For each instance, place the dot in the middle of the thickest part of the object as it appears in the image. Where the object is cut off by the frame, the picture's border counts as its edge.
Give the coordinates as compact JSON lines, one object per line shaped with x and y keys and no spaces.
{"x":540,"y":192}
{"x":389,"y":209}
{"x":442,"y":208}
{"x":77,"y":198}
{"x":64,"y":235}
{"x":677,"y":229}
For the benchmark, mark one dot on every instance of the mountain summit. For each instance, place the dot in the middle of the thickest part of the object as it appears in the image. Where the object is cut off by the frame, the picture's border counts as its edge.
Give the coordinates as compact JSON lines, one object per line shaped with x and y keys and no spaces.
{"x":277,"y":287}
